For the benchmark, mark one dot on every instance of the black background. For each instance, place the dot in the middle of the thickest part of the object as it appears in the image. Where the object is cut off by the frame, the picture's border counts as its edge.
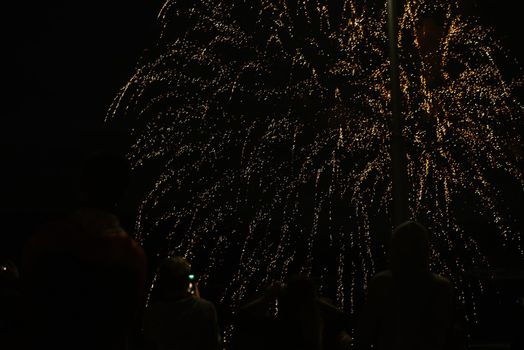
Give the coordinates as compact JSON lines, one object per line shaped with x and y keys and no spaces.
{"x":64,"y":62}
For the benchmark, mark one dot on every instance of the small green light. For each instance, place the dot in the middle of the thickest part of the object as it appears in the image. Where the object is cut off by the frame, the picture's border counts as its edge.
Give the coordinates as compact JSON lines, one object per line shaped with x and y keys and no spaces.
{"x":191,"y":277}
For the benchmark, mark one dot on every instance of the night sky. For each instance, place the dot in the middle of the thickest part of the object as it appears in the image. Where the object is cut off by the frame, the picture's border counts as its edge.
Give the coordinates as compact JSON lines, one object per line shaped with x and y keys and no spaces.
{"x":64,"y":61}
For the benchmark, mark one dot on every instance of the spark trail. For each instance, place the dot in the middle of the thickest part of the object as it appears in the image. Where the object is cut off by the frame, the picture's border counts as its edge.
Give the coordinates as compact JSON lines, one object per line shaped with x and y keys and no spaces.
{"x":266,"y":124}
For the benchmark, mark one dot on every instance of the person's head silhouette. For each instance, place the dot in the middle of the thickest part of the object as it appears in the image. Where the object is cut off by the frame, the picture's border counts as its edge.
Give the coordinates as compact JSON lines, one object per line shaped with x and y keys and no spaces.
{"x":409,"y":248}
{"x":173,"y":276}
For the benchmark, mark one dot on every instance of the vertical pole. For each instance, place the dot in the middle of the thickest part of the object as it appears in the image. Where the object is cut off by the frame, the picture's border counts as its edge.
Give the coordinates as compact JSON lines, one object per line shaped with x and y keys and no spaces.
{"x":398,"y":155}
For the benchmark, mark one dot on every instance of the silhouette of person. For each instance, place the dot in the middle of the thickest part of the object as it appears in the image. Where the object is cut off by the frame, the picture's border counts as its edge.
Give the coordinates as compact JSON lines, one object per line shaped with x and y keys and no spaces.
{"x":257,"y":326}
{"x":299,"y":319}
{"x":84,"y":275}
{"x":176,"y":318}
{"x":311,"y":321}
{"x":407,"y":306}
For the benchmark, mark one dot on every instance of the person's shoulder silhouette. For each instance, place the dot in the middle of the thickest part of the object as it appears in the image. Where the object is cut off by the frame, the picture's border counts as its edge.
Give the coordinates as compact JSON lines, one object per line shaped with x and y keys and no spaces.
{"x":83,"y":273}
{"x":176,"y":318}
{"x":256,"y":325}
{"x":407,"y":306}
{"x":291,"y":315}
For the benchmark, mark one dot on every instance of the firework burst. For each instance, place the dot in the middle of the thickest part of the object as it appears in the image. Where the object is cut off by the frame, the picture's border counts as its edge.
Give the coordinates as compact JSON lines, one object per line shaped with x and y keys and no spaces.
{"x":266,"y":124}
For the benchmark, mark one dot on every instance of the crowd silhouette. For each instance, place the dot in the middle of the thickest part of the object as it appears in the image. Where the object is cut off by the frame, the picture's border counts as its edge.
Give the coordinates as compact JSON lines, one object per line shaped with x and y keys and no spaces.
{"x":83,"y":283}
